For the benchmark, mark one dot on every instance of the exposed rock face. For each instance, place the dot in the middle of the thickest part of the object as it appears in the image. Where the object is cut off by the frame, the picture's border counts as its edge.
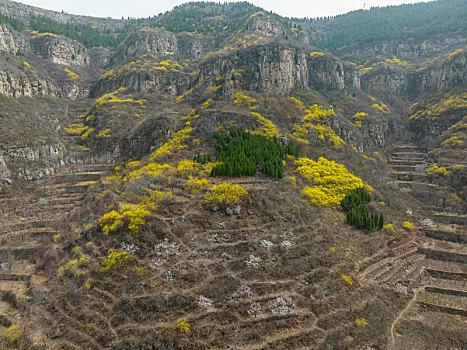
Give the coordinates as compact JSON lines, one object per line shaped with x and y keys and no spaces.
{"x":190,"y":45}
{"x":352,"y":75}
{"x":390,"y":82}
{"x":449,"y":74}
{"x":170,"y":83}
{"x":31,"y":163}
{"x":12,"y":42}
{"x":99,"y":56}
{"x":275,"y":69}
{"x":147,"y":41}
{"x":60,"y":50}
{"x":18,"y":83}
{"x":4,"y":172}
{"x":264,"y":25}
{"x":327,"y":70}
{"x":407,"y":49}
{"x":393,"y":81}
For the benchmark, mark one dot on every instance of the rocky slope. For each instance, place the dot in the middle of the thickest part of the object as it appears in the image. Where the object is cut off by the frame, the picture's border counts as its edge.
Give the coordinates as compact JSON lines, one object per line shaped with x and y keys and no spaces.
{"x":110,"y":238}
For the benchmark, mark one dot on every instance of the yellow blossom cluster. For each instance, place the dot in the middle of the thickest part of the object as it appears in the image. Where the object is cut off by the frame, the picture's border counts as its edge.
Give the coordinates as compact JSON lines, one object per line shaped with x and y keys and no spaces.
{"x":116,"y":259}
{"x":268,"y":128}
{"x":358,"y":118}
{"x":226,"y":193}
{"x":72,"y":75}
{"x":332,"y":181}
{"x":195,"y":185}
{"x":175,"y":143}
{"x":242,"y":99}
{"x":111,"y":97}
{"x":129,"y":216}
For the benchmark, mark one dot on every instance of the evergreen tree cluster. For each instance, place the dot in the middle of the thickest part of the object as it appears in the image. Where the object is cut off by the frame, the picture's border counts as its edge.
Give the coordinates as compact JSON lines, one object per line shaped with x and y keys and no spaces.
{"x":14,"y":23}
{"x":242,"y":153}
{"x":358,"y":214}
{"x":390,"y":23}
{"x":202,"y":159}
{"x":84,"y":33}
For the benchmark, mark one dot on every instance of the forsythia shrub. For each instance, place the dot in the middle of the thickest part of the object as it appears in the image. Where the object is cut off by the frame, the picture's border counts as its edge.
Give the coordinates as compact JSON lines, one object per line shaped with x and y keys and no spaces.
{"x":436,"y":170}
{"x":195,"y":184}
{"x":73,"y":266}
{"x":116,"y":259}
{"x":316,"y":120}
{"x":268,"y":129}
{"x":332,"y":181}
{"x":153,"y":169}
{"x":13,"y":334}
{"x":408,"y":225}
{"x":347,"y":279}
{"x":182,"y":326}
{"x":128,"y":215}
{"x":174,"y":144}
{"x":226,"y":193}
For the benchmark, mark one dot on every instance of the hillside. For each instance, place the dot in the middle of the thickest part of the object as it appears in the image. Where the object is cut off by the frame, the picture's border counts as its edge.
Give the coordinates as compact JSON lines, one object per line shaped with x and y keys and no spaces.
{"x":219,"y":177}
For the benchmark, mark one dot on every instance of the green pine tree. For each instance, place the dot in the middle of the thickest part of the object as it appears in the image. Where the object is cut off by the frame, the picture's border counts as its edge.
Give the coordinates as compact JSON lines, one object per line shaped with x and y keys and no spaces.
{"x":381,"y":221}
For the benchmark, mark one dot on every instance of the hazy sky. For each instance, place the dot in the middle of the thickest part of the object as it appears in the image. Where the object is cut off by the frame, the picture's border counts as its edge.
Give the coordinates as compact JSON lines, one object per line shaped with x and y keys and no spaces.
{"x":145,"y":8}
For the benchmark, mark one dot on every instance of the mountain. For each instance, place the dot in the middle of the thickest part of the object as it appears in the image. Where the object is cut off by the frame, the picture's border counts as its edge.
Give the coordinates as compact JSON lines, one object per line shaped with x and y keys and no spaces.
{"x":219,"y":176}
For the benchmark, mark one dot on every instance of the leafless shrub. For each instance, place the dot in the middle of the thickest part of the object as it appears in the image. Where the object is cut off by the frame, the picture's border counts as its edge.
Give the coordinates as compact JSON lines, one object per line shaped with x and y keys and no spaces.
{"x":280,"y":306}
{"x":255,"y":309}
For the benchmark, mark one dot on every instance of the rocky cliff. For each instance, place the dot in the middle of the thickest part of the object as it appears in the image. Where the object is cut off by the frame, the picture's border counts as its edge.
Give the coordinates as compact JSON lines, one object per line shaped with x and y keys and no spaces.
{"x":393,"y":79}
{"x":411,"y":49}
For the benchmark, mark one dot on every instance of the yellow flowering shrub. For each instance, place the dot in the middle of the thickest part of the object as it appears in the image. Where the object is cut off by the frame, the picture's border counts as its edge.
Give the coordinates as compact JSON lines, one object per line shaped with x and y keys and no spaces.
{"x":73,"y":266}
{"x":316,"y":54}
{"x":182,"y":97}
{"x":207,"y":103}
{"x":453,"y":141}
{"x":435,"y":170}
{"x":361,"y":322}
{"x":268,"y":128}
{"x":72,"y":75}
{"x":153,"y":169}
{"x":13,"y":333}
{"x":27,"y":64}
{"x":299,"y":103}
{"x":318,"y":114}
{"x":211,"y":89}
{"x":240,"y":98}
{"x":185,"y":167}
{"x":75,"y":129}
{"x":389,"y":227}
{"x":226,"y":193}
{"x":408,"y":225}
{"x":194,"y":184}
{"x":129,"y":216}
{"x":332,"y":181}
{"x":182,"y":326}
{"x":86,"y":134}
{"x":347,"y":279}
{"x":104,"y":133}
{"x":116,"y":259}
{"x":316,"y":119}
{"x":112,"y":98}
{"x":87,"y":284}
{"x":293,"y":180}
{"x":192,"y":115}
{"x":175,"y":143}
{"x":382,"y":107}
{"x":358,"y":118}
{"x":439,"y":104}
